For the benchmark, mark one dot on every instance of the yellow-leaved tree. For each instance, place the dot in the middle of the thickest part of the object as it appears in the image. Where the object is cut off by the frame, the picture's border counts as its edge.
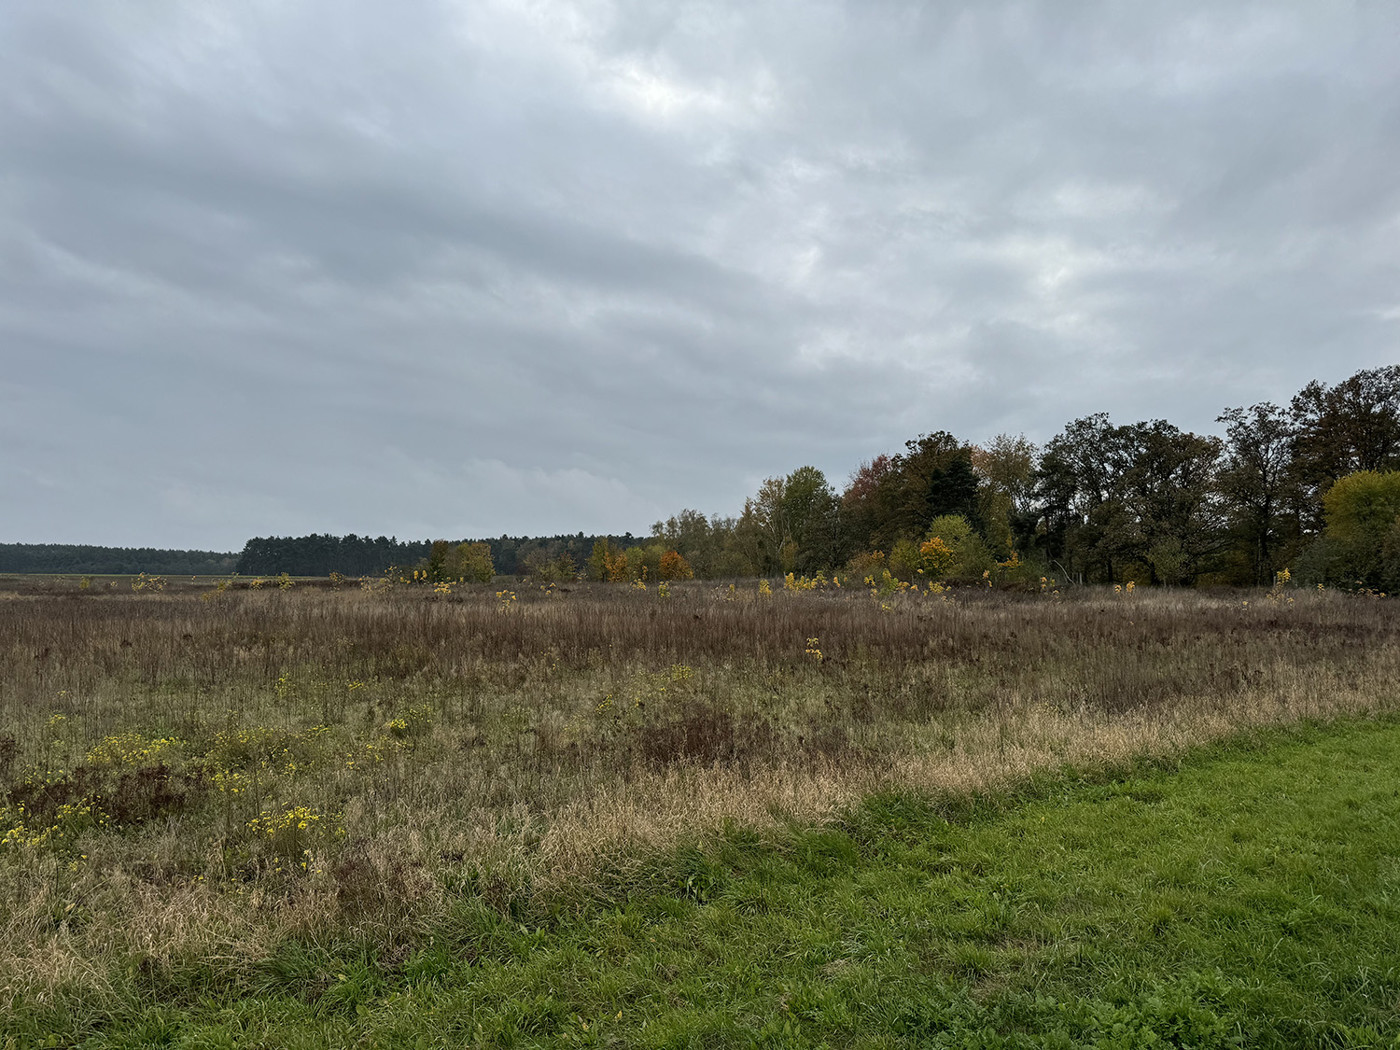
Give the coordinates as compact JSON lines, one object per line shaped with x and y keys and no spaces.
{"x":1363,"y":525}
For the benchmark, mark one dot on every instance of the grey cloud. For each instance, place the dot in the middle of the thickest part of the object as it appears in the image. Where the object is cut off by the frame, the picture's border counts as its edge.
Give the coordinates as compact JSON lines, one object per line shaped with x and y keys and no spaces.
{"x":459,"y":269}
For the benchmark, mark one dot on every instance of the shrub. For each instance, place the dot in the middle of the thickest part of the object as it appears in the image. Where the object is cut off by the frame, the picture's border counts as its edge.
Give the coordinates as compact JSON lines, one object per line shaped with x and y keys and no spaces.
{"x":904,"y":560}
{"x":867,"y":563}
{"x":936,"y":558}
{"x":954,"y":551}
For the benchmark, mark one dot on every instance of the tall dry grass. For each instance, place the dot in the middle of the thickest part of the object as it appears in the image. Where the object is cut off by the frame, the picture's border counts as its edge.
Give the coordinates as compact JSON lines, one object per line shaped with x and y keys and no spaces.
{"x":190,"y":777}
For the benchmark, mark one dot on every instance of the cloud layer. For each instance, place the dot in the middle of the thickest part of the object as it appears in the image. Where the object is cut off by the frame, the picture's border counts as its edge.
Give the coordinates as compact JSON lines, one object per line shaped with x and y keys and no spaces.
{"x":452,"y":269}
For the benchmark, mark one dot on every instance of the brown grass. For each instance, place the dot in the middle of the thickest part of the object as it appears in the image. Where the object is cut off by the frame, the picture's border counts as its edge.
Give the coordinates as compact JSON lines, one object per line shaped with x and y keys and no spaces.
{"x":261,"y":763}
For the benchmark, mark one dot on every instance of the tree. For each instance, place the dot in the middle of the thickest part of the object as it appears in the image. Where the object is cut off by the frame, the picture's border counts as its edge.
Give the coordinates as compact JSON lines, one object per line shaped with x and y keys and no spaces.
{"x":598,"y":559}
{"x":692,"y":535}
{"x":940,"y":552}
{"x":468,"y":561}
{"x":674,"y":567}
{"x":617,"y":567}
{"x":765,"y":529}
{"x":954,"y":549}
{"x":730,"y":546}
{"x":810,"y":509}
{"x":1142,"y":493}
{"x":1078,"y":495}
{"x":792,"y":524}
{"x":644,"y":560}
{"x":1006,"y":471}
{"x":859,"y":510}
{"x":1257,"y":485}
{"x":547,"y":567}
{"x":1363,"y":517}
{"x":1173,"y":519}
{"x":1351,"y":427}
{"x":437,"y":561}
{"x":932,"y":476}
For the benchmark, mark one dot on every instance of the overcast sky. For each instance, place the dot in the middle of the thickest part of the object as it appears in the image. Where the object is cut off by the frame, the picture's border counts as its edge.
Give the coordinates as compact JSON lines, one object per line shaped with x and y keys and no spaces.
{"x":459,"y":269}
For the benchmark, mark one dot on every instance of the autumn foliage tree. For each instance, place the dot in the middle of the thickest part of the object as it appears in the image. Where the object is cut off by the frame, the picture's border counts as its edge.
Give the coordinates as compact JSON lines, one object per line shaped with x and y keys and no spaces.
{"x":932,"y":476}
{"x":675,"y":567}
{"x":607,"y":563}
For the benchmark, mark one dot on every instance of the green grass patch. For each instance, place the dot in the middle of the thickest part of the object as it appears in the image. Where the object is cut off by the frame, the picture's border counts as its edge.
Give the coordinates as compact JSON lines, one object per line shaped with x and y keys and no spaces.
{"x":1247,"y":896}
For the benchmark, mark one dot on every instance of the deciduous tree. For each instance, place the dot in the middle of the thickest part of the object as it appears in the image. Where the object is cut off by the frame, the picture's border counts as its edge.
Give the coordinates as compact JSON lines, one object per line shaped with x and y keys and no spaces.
{"x":1257,"y":485}
{"x":1363,"y":522}
{"x":674,"y":567}
{"x":1340,"y":430}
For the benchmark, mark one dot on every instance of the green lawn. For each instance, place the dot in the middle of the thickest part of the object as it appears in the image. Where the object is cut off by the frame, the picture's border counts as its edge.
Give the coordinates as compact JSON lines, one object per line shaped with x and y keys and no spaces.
{"x":1249,"y":897}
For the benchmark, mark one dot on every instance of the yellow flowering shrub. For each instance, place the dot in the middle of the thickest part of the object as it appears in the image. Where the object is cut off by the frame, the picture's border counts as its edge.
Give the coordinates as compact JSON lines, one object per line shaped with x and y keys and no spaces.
{"x":133,"y":749}
{"x":936,"y":557}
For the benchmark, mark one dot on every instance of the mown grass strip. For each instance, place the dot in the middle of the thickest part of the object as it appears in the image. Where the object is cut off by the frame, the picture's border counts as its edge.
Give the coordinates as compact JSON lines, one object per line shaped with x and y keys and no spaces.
{"x":1249,"y":896}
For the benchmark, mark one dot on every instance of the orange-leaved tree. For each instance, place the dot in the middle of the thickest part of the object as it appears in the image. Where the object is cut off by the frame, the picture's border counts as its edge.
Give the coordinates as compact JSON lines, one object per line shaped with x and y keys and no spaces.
{"x":617,"y":566}
{"x":675,"y":567}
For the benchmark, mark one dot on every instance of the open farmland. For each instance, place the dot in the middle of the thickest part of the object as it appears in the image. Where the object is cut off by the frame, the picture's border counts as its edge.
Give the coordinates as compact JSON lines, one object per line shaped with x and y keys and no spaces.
{"x":195,"y":780}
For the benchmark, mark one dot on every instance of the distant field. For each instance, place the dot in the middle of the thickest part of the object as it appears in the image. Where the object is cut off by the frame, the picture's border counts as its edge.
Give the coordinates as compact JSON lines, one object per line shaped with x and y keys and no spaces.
{"x":34,"y":584}
{"x":207,"y":791}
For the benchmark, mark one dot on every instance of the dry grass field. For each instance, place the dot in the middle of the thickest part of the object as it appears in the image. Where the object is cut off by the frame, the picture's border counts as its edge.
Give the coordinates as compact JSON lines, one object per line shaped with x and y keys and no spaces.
{"x":189,"y":776}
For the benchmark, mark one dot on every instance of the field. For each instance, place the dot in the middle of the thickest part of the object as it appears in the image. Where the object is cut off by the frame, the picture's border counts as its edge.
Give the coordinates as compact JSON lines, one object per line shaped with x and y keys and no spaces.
{"x":218,"y":796}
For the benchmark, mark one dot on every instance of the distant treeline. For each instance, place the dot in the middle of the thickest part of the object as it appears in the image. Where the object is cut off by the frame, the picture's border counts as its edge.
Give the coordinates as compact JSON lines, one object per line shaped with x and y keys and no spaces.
{"x":323,"y":554}
{"x":81,"y":558}
{"x":1307,"y":492}
{"x":314,"y":555}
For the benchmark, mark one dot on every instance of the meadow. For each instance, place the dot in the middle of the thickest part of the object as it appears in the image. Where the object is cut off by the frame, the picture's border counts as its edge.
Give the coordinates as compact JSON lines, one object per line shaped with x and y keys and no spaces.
{"x":200,"y":779}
